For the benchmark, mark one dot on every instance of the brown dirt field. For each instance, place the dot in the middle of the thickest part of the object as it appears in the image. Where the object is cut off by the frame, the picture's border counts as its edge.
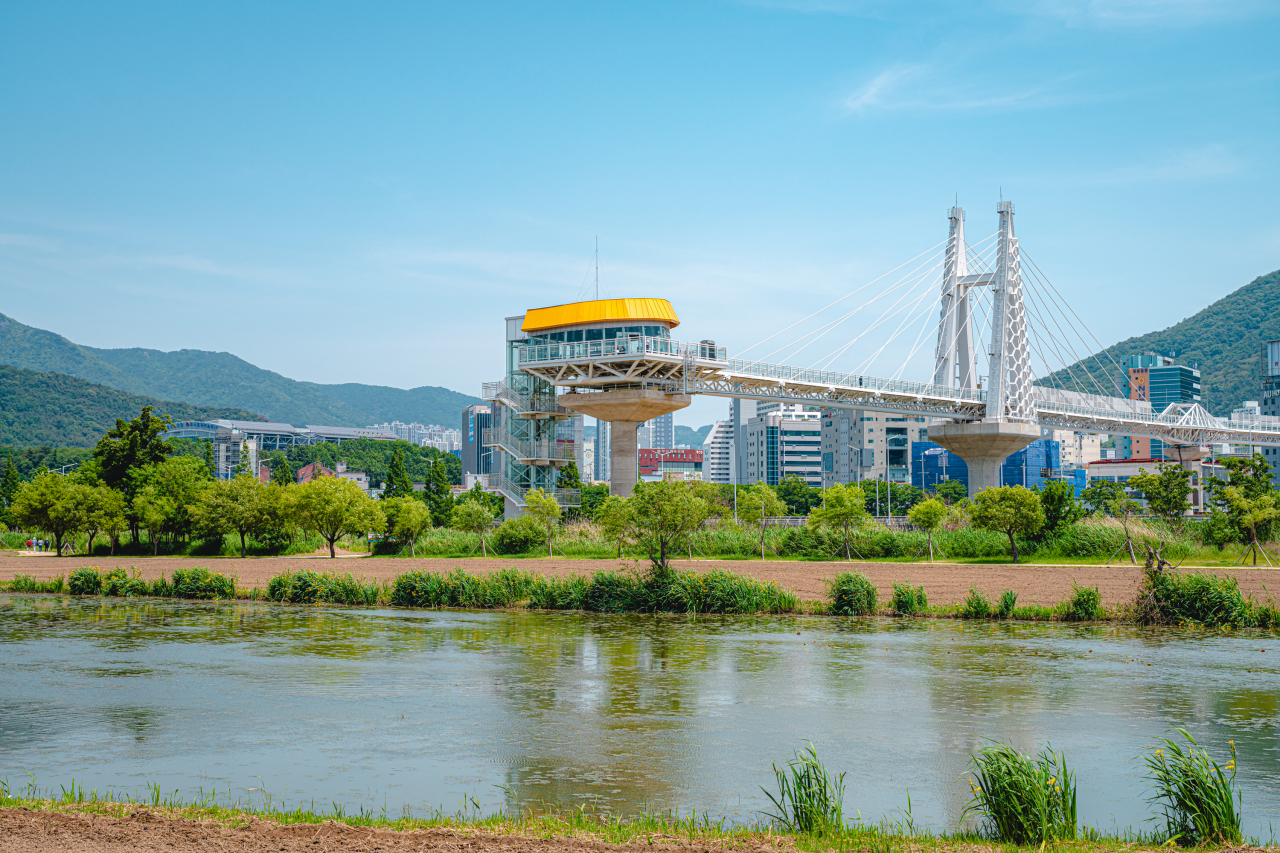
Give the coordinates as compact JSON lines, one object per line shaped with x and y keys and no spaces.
{"x":28,"y":831}
{"x":943,"y":582}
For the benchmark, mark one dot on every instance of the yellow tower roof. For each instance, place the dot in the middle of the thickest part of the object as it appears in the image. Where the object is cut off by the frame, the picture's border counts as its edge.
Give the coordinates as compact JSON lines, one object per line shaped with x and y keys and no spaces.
{"x":599,"y":310}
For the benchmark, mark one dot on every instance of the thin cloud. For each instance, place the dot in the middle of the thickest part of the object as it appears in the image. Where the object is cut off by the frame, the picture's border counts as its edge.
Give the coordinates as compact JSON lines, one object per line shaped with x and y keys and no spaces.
{"x":1130,"y":13}
{"x":1192,"y":164}
{"x":924,"y":88}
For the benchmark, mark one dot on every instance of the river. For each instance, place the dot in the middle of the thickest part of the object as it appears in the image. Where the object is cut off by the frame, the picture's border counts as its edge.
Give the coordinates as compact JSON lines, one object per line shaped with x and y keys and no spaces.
{"x":419,"y":709}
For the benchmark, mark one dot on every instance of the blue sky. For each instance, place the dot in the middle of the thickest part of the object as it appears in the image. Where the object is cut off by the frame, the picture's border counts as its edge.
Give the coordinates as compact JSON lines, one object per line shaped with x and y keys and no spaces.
{"x":360,"y":192}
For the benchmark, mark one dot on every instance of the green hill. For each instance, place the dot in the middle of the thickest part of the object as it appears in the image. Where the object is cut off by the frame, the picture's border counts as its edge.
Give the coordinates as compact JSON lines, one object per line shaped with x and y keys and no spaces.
{"x":221,"y":379}
{"x":45,"y":408}
{"x":1225,"y":339}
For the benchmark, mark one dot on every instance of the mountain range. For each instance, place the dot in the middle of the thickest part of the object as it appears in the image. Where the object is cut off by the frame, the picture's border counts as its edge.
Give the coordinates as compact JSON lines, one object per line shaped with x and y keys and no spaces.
{"x":221,"y":380}
{"x":1224,"y":340}
{"x":49,"y":409}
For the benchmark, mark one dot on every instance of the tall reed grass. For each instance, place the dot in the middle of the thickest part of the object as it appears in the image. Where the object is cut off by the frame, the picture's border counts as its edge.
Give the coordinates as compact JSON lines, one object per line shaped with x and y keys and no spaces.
{"x":197,"y":582}
{"x":26,"y":583}
{"x":1023,"y":800}
{"x":852,"y":594}
{"x":311,"y":587}
{"x":908,"y":600}
{"x":810,"y":799}
{"x":1198,"y":797}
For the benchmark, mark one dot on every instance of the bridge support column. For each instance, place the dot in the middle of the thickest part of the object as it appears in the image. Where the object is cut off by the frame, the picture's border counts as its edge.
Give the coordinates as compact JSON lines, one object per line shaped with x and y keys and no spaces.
{"x":984,"y":446}
{"x":625,"y":410}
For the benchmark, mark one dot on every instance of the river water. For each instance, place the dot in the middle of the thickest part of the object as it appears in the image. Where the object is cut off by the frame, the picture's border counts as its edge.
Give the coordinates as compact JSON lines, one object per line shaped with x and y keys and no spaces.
{"x":419,"y":709}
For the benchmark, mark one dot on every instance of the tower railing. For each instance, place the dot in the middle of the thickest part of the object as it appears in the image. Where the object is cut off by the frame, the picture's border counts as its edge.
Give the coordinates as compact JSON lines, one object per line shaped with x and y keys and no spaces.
{"x":527,"y":450}
{"x":523,"y":404}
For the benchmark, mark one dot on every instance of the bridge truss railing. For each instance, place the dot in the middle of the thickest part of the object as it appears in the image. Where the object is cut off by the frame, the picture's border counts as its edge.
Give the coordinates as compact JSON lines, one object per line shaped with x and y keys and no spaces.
{"x":636,"y":345}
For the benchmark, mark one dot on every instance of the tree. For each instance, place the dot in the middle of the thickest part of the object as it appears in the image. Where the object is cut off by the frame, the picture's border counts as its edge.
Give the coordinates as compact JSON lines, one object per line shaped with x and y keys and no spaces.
{"x":406,"y":519}
{"x":130,"y":446}
{"x":438,"y":496}
{"x":244,"y":461}
{"x":104,"y":511}
{"x":616,"y":519}
{"x":471,"y":516}
{"x":568,"y":477}
{"x":1061,"y":509}
{"x":593,"y":498}
{"x":241,"y":505}
{"x":9,"y":483}
{"x":758,"y":506}
{"x":1252,"y":477}
{"x":885,"y":498}
{"x":50,"y":503}
{"x":182,"y":480}
{"x":1252,"y":513}
{"x":544,"y":509}
{"x":844,"y":509}
{"x":798,"y":495}
{"x":1099,"y":495}
{"x":397,"y":484}
{"x":1011,"y":510}
{"x":332,"y":506}
{"x":1167,"y":491}
{"x":951,"y":491}
{"x":152,"y":511}
{"x":928,"y":515}
{"x":282,"y":474}
{"x":1123,"y":508}
{"x":208,"y":458}
{"x":664,"y":514}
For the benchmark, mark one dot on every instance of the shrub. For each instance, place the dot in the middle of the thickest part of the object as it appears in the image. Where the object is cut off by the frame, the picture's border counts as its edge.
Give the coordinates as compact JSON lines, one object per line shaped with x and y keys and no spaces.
{"x":1199,"y":798}
{"x":26,"y":583}
{"x":1025,"y":800}
{"x":118,"y":582}
{"x":559,"y":593}
{"x":810,"y":799}
{"x":1008,"y":601}
{"x":976,"y":606}
{"x":1168,"y":598}
{"x":852,"y":594}
{"x":310,"y":587}
{"x":1085,"y":604}
{"x":85,"y":581}
{"x":908,"y":600}
{"x":459,"y":589}
{"x":201,"y":583}
{"x":519,"y":535}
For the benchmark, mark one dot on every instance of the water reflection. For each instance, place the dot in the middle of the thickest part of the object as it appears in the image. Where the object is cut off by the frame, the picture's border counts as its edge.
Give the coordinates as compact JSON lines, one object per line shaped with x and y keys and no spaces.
{"x":528,"y":710}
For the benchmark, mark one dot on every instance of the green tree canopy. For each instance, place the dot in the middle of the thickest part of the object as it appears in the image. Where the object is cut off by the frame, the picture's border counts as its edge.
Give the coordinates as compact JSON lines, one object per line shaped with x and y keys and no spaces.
{"x":332,"y":506}
{"x":241,"y":505}
{"x":844,"y":510}
{"x":438,"y":496}
{"x":50,"y":503}
{"x":282,"y":474}
{"x":407,"y":517}
{"x":664,"y":514}
{"x":928,"y":516}
{"x":397,"y":484}
{"x":1100,"y":494}
{"x":616,"y":517}
{"x":568,"y":477}
{"x":1061,"y":509}
{"x":544,"y":509}
{"x":885,"y":498}
{"x":128,"y":447}
{"x":798,"y":495}
{"x":1011,"y":510}
{"x":951,"y":491}
{"x":1252,"y":512}
{"x":1167,"y":491}
{"x":473,"y":516}
{"x":104,"y":512}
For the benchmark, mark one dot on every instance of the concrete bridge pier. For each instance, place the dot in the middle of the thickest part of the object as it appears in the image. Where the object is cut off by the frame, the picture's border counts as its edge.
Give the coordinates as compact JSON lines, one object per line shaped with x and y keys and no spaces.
{"x":983,"y":446}
{"x":625,"y":410}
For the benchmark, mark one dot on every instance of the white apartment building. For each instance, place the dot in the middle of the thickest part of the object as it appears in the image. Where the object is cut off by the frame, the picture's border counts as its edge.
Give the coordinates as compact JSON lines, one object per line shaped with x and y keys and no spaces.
{"x":1076,"y":449}
{"x":717,"y":453}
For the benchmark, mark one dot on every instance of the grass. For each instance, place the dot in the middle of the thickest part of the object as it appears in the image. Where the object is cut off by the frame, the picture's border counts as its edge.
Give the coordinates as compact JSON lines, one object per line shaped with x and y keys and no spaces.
{"x":810,"y":798}
{"x":1198,"y":797}
{"x":1023,"y":800}
{"x":310,"y":587}
{"x":197,"y":582}
{"x":908,"y":600}
{"x":852,"y":594}
{"x":1169,"y":598}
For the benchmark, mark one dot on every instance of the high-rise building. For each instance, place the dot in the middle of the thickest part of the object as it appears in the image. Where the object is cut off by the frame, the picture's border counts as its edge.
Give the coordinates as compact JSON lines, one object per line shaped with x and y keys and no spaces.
{"x":662,"y":431}
{"x":778,"y":446}
{"x":477,"y":458}
{"x":1077,"y":448}
{"x":717,"y":453}
{"x":570,"y":430}
{"x":1154,"y":378}
{"x":860,"y":445}
{"x":602,"y":451}
{"x":1269,"y":402}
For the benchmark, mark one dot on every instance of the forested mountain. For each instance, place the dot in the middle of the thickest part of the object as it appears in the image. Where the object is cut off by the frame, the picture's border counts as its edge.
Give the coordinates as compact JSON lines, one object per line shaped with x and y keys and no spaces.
{"x":45,"y":408}
{"x":1225,"y":340}
{"x":221,"y":379}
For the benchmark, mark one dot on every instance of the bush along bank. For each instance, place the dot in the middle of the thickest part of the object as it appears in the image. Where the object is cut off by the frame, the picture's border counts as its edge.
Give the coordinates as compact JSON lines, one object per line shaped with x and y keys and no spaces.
{"x":1166,"y":598}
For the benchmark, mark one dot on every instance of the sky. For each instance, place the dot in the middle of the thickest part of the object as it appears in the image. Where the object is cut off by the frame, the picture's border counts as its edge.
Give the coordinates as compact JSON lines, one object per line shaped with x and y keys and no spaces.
{"x":361,"y":192}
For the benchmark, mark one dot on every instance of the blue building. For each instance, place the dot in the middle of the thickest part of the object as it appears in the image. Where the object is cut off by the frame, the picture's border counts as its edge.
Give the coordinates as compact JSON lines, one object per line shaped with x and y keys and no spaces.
{"x":1033,"y":466}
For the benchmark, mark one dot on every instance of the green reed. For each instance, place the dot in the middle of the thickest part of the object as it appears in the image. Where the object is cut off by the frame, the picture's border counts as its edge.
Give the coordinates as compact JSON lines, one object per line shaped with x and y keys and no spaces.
{"x":311,"y":587}
{"x":26,"y":583}
{"x":852,"y":594}
{"x":976,"y":605}
{"x":908,"y":600}
{"x":810,"y":798}
{"x":1198,"y":797}
{"x":1024,"y":800}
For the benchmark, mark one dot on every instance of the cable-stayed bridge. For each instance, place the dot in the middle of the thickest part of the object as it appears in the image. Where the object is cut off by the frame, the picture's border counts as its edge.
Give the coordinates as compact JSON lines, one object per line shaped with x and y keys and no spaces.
{"x":983,"y":401}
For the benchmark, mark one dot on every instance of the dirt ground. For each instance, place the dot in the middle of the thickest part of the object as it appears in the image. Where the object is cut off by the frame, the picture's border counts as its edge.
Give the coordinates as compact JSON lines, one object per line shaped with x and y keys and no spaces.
{"x":943,"y":582}
{"x":28,"y":831}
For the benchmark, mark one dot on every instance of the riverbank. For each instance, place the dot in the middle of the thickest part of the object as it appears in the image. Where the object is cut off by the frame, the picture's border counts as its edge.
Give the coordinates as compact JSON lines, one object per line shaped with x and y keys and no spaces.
{"x":29,"y":825}
{"x":944,"y":583}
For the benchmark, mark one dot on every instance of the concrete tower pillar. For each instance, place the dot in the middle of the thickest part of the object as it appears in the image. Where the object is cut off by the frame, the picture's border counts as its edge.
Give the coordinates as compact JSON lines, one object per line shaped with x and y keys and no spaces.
{"x":625,"y":410}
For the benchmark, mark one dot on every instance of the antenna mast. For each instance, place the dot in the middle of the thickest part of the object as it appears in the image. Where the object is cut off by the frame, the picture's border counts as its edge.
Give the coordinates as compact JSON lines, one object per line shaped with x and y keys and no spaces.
{"x":597,"y":266}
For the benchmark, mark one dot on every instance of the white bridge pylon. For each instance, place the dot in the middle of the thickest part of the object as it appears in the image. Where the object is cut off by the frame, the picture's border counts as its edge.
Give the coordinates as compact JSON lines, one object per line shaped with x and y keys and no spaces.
{"x":957,"y":392}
